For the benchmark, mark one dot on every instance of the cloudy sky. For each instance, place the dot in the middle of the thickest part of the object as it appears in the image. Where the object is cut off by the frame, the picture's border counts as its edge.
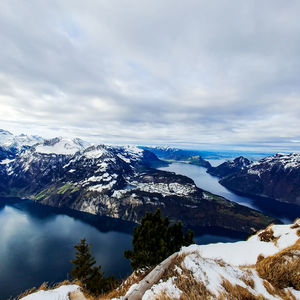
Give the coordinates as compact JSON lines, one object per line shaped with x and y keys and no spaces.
{"x":193,"y":73}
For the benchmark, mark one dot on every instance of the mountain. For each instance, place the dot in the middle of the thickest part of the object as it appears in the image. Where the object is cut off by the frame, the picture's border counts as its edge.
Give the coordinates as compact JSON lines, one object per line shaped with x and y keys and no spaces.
{"x":180,"y":155}
{"x":276,"y":177}
{"x":229,"y":167}
{"x":117,"y":182}
{"x":266,"y":266}
{"x":15,"y":143}
{"x":62,"y":145}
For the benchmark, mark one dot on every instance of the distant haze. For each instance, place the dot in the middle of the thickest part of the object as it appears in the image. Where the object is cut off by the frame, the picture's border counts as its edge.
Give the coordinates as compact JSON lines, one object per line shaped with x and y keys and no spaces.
{"x":194,"y":74}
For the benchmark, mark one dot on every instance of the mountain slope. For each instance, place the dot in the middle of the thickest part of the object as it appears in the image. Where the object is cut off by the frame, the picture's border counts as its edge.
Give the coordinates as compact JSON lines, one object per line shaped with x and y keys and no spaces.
{"x":229,"y":167}
{"x":266,"y":266}
{"x":276,"y":177}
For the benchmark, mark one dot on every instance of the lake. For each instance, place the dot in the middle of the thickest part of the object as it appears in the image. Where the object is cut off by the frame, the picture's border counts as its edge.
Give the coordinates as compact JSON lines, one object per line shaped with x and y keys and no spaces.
{"x":286,"y":213}
{"x":36,"y":244}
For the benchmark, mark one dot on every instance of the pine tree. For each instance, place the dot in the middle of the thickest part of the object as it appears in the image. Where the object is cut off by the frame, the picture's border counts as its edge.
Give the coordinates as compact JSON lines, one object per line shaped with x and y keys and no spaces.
{"x":83,"y":262}
{"x":155,"y":239}
{"x":91,"y":277}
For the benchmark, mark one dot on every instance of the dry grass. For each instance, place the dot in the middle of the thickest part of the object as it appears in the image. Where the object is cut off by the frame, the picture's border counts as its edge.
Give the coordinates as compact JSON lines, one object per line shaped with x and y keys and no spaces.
{"x":267,"y":235}
{"x":135,"y":277}
{"x":237,"y":292}
{"x":248,"y":281}
{"x":294,"y":226}
{"x":44,"y":287}
{"x":282,"y":269}
{"x":185,"y":281}
{"x":298,"y":232}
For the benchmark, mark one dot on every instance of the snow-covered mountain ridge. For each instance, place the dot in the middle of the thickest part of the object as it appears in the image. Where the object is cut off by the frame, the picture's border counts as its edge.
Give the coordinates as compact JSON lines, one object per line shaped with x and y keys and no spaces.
{"x":276,"y":177}
{"x":118,"y":182}
{"x":266,"y":266}
{"x":8,"y":140}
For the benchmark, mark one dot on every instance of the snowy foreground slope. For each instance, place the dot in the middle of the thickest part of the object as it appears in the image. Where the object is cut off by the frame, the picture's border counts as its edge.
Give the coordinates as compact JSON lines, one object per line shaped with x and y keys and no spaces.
{"x":266,"y":266}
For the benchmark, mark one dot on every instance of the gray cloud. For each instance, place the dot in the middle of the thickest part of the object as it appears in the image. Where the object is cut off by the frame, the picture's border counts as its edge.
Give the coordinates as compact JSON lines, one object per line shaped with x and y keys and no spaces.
{"x":172,"y":72}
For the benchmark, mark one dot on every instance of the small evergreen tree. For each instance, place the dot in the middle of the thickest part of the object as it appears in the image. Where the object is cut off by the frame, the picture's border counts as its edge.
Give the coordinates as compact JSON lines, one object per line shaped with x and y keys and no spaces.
{"x":91,"y":277}
{"x":83,"y":262}
{"x":155,"y":239}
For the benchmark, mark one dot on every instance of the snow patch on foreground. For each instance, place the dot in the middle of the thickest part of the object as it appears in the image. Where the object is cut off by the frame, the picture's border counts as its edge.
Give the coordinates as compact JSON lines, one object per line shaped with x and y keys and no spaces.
{"x":215,"y":265}
{"x":61,"y":293}
{"x":246,"y":252}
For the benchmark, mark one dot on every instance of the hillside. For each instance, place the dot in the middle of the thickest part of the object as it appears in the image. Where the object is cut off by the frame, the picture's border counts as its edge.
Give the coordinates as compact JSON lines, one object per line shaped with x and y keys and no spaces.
{"x":266,"y":266}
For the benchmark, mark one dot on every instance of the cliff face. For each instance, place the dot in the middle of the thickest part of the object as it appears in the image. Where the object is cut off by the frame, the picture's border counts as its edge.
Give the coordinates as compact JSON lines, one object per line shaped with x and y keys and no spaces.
{"x":117,"y":182}
{"x":276,"y":177}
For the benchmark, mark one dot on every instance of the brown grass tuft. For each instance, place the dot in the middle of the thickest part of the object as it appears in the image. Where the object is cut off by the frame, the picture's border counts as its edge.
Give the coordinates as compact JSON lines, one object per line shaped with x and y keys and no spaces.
{"x":298,"y":232}
{"x":294,"y":226}
{"x":260,"y":257}
{"x":282,"y":269}
{"x":267,"y":235}
{"x":248,"y":281}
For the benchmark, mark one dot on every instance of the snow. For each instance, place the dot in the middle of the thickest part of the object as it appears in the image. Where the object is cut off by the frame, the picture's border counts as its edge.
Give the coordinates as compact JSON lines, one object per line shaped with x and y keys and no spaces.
{"x":8,"y":140}
{"x":61,"y":293}
{"x":95,"y":153}
{"x":246,"y":252}
{"x":6,"y":161}
{"x":101,"y":187}
{"x":127,"y":160}
{"x":167,"y":288}
{"x":287,"y":160}
{"x":61,"y":146}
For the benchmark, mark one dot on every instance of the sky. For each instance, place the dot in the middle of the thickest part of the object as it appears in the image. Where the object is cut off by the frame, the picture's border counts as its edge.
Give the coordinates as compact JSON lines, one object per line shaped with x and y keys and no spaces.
{"x":190,"y":73}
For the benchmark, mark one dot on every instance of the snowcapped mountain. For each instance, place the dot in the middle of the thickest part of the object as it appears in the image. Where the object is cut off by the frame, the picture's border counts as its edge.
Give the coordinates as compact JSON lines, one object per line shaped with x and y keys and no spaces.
{"x":62,"y":145}
{"x":9,"y":141}
{"x":266,"y":266}
{"x":229,"y":167}
{"x":118,"y":182}
{"x":276,"y":177}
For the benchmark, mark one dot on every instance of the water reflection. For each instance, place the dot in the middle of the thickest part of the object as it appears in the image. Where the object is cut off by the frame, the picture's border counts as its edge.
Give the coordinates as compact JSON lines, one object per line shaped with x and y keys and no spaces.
{"x":36,"y":245}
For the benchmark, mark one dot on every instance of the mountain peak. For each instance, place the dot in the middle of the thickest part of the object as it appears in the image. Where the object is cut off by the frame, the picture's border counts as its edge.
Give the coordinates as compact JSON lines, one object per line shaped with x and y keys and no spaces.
{"x":61,"y":145}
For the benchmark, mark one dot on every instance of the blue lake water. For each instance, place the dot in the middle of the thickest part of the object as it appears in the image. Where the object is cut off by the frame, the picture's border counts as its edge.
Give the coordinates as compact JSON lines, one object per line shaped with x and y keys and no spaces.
{"x":286,"y":213}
